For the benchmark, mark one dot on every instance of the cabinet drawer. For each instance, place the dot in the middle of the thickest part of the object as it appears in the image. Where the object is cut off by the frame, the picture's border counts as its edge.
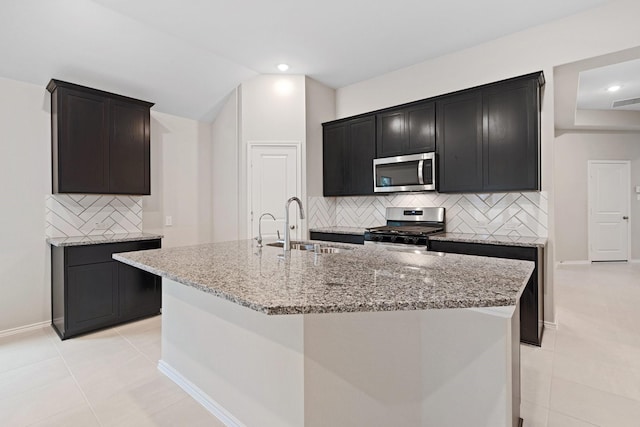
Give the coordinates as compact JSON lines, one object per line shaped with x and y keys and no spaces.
{"x":92,"y":254}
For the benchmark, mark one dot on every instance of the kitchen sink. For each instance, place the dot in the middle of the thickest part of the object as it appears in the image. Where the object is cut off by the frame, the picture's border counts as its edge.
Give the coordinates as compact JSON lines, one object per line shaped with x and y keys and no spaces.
{"x":313,"y":247}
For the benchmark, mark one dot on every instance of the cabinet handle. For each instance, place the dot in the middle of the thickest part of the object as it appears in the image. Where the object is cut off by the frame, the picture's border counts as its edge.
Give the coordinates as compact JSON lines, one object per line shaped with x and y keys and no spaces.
{"x":625,"y":217}
{"x":420,"y":168}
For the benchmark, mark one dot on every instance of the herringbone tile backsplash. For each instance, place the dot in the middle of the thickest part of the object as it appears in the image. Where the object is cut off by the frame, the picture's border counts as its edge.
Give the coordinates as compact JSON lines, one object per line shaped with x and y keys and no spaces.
{"x":91,"y":215}
{"x":501,"y":214}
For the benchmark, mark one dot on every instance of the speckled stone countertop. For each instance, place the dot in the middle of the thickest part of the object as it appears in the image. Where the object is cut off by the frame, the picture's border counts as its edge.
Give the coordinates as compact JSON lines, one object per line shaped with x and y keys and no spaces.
{"x":98,"y":240}
{"x":359,"y":231}
{"x":491,"y":240}
{"x":364,"y":278}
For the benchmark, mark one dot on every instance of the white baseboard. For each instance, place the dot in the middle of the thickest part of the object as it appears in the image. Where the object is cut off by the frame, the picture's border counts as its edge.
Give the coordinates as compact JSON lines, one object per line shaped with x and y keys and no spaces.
{"x":22,"y":329}
{"x":550,"y":325}
{"x":634,"y":261}
{"x":200,"y":396}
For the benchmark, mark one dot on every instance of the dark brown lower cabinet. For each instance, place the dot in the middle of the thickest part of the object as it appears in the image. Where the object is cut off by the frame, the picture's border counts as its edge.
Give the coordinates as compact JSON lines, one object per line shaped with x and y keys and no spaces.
{"x":357,"y":239}
{"x":531,"y":301}
{"x":90,"y":290}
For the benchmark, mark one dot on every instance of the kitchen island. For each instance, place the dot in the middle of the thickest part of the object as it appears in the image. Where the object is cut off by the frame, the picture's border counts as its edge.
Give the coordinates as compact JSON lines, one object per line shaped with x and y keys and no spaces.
{"x":362,"y":337}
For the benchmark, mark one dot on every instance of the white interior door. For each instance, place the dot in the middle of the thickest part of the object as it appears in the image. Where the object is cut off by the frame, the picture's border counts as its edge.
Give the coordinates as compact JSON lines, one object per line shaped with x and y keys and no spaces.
{"x":275,"y":176}
{"x":609,"y":194}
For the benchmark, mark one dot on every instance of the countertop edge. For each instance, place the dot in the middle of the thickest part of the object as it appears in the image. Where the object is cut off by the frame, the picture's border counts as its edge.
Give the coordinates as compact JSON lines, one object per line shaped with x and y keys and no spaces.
{"x":61,"y":241}
{"x":502,"y":301}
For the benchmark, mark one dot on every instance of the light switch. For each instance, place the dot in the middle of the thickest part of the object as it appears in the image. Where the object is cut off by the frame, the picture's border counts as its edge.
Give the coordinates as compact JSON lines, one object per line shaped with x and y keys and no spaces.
{"x":637,"y":188}
{"x":168,"y":221}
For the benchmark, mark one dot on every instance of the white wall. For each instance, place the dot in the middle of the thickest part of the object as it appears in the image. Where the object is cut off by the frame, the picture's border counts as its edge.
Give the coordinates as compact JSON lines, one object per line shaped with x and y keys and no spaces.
{"x":606,"y":29}
{"x":225,"y":170}
{"x":25,"y":173}
{"x":572,"y":151}
{"x":180,"y":187}
{"x":180,"y":181}
{"x":270,"y":108}
{"x":320,"y":106}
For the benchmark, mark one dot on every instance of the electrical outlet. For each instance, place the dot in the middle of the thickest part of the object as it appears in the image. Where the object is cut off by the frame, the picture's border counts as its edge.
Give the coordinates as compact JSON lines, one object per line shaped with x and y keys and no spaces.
{"x":168,"y":221}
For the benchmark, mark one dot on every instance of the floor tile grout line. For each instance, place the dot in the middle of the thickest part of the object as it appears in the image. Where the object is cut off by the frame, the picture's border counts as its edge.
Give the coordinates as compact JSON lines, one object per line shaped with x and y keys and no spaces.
{"x":75,"y":380}
{"x":136,"y":348}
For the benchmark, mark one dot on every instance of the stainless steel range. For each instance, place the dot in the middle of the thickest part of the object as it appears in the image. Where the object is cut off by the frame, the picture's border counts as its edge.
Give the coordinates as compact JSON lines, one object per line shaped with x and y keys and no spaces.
{"x":407,"y":226}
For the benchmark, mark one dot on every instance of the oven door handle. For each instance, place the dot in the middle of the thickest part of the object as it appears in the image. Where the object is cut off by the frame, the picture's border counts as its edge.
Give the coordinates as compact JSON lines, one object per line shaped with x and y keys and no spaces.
{"x":420,"y":175}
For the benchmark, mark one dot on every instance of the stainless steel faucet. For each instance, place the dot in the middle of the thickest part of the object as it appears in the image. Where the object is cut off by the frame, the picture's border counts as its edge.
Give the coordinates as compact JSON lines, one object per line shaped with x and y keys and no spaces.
{"x":259,"y":238}
{"x":287,"y":234}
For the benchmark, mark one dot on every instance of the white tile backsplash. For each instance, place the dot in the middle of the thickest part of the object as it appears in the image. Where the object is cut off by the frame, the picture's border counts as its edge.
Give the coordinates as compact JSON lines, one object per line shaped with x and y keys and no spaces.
{"x":78,"y":215}
{"x":500,"y":214}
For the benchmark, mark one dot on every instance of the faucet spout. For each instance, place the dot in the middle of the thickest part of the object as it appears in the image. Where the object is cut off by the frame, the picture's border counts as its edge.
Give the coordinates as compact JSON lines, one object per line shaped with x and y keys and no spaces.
{"x":259,"y":238}
{"x":287,"y":234}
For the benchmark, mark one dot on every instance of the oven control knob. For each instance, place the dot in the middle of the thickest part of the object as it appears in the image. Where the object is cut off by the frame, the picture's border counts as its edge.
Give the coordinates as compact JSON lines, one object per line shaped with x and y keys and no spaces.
{"x":376,"y":238}
{"x":393,"y":239}
{"x":413,"y":240}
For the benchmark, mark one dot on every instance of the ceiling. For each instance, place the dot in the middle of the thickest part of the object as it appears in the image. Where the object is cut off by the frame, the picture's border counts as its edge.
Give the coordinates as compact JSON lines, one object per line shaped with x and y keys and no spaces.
{"x":188,"y":55}
{"x":581,"y":99}
{"x":593,"y":93}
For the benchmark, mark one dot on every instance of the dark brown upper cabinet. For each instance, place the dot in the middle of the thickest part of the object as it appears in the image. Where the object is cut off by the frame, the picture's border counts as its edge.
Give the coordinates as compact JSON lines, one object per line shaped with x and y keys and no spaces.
{"x":460,"y":142}
{"x":511,"y":136}
{"x":489,"y":137}
{"x":409,"y":129}
{"x":349,"y":147}
{"x":100,"y":141}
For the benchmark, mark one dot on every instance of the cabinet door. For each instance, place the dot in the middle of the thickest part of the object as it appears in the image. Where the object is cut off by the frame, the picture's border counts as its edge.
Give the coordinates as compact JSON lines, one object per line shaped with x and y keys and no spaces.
{"x":333,"y":159}
{"x":92,"y":296}
{"x":421,"y":128}
{"x":81,"y":143}
{"x":361,"y":152}
{"x":391,"y":135}
{"x":129,"y":148}
{"x":459,"y":134}
{"x":140,"y":292}
{"x":510,"y":141}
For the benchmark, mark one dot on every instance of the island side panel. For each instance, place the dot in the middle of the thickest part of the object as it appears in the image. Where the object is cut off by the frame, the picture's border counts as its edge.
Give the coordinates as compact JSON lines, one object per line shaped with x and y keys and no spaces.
{"x":246,"y":366}
{"x":445,"y":368}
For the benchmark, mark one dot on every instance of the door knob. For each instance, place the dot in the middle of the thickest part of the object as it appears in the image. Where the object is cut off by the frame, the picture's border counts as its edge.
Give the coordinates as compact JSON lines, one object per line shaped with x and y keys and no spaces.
{"x":625,"y":217}
{"x":293,"y":227}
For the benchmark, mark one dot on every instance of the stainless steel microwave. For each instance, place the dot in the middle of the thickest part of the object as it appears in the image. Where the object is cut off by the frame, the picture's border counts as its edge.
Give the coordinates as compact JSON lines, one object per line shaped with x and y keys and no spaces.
{"x":415,"y":172}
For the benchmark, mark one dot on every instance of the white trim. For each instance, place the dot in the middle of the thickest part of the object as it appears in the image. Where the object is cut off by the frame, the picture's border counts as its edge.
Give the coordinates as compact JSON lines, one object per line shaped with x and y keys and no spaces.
{"x":550,"y":325}
{"x":300,"y":178}
{"x":590,"y":164}
{"x":634,"y":261}
{"x":26,"y":328}
{"x":200,"y":396}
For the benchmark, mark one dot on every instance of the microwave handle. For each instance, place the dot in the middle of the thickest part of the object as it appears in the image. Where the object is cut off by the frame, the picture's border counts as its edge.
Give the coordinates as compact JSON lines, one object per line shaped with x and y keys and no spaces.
{"x":420,"y":174}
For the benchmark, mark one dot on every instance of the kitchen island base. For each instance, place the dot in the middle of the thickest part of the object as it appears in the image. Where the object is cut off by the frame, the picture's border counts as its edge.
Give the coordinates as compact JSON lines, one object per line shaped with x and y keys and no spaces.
{"x":445,"y":368}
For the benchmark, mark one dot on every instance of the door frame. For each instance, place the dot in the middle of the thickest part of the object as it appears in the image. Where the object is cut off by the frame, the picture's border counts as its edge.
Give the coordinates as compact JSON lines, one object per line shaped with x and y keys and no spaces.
{"x":299,"y":178}
{"x":590,"y":165}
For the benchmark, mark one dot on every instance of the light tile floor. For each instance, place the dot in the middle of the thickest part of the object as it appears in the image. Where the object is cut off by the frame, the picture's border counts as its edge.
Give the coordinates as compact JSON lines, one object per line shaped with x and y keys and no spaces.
{"x":108,"y":378}
{"x":587,"y":373}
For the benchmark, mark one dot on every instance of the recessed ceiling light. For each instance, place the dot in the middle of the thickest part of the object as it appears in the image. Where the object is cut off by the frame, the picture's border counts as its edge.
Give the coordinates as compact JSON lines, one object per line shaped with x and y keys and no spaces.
{"x":613,"y":88}
{"x":283,"y":67}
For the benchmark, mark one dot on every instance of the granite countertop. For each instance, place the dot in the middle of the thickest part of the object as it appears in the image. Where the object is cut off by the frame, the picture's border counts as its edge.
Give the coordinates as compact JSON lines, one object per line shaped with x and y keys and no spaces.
{"x":340,"y":230}
{"x":97,"y":240}
{"x":539,"y":242}
{"x":364,"y":278}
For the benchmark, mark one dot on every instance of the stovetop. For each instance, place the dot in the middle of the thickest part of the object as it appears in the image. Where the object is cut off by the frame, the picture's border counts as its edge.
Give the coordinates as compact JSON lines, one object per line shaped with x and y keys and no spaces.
{"x":407,"y":230}
{"x":410,"y":226}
